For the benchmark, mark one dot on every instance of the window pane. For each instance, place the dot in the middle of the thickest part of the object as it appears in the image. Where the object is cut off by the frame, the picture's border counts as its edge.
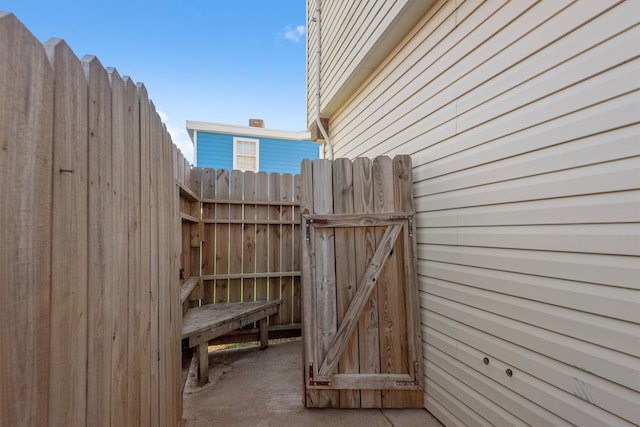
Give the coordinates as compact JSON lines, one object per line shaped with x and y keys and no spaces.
{"x":246,"y":162}
{"x":246,"y":148}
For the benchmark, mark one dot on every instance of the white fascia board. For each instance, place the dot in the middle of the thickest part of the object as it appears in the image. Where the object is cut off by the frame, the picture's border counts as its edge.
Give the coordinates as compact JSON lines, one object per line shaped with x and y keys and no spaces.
{"x":246,"y":131}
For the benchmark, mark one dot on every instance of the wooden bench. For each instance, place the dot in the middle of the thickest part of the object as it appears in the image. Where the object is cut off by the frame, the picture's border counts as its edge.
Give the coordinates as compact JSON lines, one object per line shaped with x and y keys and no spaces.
{"x":210,"y":321}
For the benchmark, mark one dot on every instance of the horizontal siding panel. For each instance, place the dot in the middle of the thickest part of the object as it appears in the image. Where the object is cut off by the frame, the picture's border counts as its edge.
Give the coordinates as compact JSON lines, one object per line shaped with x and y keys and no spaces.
{"x":440,"y":412}
{"x":405,"y":126}
{"x":595,"y":120}
{"x":590,"y":268}
{"x":604,"y":208}
{"x":609,"y":239}
{"x":570,"y":34}
{"x":619,"y":144}
{"x":487,"y":412}
{"x":444,"y":353}
{"x":456,"y":412}
{"x":400,"y":70}
{"x":590,"y":63}
{"x":609,"y":333}
{"x":599,"y":89}
{"x":547,"y":372}
{"x":620,"y":175}
{"x":405,"y":104}
{"x":460,"y":361}
{"x":615,"y":367}
{"x":460,"y":76}
{"x":596,"y":89}
{"x":614,"y":302}
{"x":515,"y":393}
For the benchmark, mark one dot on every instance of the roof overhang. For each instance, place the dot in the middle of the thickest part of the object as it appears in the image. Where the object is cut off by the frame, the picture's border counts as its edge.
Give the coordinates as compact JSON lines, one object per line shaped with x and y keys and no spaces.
{"x":405,"y":20}
{"x":245,"y":131}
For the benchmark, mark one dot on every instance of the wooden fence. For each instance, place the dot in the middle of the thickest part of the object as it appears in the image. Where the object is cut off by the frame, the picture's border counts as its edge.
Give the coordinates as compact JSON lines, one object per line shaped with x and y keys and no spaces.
{"x":89,"y":261}
{"x":241,"y":238}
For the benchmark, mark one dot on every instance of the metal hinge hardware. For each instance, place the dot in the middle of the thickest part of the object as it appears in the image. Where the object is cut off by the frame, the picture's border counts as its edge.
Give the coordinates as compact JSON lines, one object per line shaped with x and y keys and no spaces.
{"x":311,"y":380}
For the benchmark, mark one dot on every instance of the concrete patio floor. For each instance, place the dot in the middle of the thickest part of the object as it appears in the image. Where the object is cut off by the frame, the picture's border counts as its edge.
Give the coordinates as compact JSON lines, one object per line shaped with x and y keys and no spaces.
{"x":249,"y":387}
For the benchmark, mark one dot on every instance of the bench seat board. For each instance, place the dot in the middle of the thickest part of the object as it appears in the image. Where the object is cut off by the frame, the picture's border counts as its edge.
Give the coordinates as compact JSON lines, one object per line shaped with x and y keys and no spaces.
{"x":213,"y":320}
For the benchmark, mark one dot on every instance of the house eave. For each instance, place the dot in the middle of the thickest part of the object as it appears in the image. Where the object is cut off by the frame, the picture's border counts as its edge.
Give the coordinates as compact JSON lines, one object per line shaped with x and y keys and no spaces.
{"x":245,"y":131}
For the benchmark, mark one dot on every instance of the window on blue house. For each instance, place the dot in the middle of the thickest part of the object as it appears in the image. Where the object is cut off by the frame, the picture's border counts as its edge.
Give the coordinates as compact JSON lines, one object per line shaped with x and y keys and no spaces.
{"x":246,"y":154}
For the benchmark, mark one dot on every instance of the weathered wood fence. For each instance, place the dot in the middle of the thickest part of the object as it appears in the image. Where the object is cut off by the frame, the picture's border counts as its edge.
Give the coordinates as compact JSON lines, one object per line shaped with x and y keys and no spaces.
{"x":241,"y":240}
{"x":89,"y":260}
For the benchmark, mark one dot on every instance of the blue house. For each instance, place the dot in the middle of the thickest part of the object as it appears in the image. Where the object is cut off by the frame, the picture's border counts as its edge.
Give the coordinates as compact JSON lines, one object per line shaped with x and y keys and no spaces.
{"x":252,"y":147}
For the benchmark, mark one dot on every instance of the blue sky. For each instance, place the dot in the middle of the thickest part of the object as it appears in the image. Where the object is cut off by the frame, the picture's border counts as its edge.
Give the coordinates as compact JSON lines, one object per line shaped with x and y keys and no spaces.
{"x":222,"y":61}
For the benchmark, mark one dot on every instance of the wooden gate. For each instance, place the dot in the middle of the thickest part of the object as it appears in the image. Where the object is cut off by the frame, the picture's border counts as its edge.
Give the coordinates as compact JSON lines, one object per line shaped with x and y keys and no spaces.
{"x":362,"y":345}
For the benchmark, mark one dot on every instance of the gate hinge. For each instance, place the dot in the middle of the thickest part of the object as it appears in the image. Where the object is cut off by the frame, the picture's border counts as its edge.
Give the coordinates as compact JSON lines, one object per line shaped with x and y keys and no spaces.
{"x":416,"y":380}
{"x":312,"y":381}
{"x":411,"y":226}
{"x":307,"y":226}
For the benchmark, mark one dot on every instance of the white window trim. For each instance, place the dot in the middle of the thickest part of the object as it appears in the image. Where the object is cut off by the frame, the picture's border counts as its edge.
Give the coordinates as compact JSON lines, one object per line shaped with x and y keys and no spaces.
{"x":236,"y":139}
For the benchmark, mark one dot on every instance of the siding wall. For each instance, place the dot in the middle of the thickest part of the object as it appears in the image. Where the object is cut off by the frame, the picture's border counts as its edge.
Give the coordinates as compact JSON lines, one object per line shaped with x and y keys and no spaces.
{"x":522,"y":119}
{"x":276,"y":155}
{"x":214,"y":150}
{"x":358,"y":36}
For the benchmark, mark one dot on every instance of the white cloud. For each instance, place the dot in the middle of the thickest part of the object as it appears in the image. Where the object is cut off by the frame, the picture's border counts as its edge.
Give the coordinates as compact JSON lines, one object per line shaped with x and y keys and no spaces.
{"x":179,"y":136}
{"x":163,"y":116}
{"x":294,"y":34}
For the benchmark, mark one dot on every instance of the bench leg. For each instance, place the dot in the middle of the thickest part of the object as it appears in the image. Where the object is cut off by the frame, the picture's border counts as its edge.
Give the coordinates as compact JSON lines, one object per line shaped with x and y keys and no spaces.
{"x":203,"y":364}
{"x":264,"y":334}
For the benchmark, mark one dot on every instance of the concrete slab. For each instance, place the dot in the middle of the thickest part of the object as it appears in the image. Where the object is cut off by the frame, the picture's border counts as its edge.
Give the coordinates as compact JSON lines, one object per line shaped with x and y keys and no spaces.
{"x":249,"y":387}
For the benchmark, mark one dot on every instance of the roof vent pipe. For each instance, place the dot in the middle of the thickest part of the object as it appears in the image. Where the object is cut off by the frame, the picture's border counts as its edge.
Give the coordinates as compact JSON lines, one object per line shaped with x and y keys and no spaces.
{"x":328,"y":147}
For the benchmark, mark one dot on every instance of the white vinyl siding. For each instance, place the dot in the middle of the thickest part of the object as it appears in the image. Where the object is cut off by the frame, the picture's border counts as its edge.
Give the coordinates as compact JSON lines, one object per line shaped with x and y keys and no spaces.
{"x":523,"y":122}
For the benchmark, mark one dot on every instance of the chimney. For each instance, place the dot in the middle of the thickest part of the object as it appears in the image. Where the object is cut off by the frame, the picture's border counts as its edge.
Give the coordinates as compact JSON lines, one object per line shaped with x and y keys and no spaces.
{"x":256,"y":123}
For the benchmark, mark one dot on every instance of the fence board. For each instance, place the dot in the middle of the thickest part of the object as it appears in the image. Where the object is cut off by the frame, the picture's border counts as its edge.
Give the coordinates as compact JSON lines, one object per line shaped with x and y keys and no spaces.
{"x":144,"y":344}
{"x":393,"y":334}
{"x":403,"y":202}
{"x":286,"y":284}
{"x":209,"y":237}
{"x":100,"y":270}
{"x":155,"y":264}
{"x":346,"y":278}
{"x":325,"y":272}
{"x":249,"y":235}
{"x":25,"y":221}
{"x":368,"y":333}
{"x":119,"y":372}
{"x":194,"y":180}
{"x":69,"y":247}
{"x":235,"y":237}
{"x":222,"y":235}
{"x":309,"y":329}
{"x":297,"y":288}
{"x":274,"y":242}
{"x":165,"y":339}
{"x":262,"y":239}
